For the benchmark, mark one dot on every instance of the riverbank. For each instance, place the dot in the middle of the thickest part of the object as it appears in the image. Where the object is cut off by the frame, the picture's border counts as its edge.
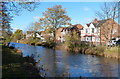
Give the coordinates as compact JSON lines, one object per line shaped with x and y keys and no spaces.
{"x":35,"y":43}
{"x":111,"y":52}
{"x":14,"y":65}
{"x":57,"y":63}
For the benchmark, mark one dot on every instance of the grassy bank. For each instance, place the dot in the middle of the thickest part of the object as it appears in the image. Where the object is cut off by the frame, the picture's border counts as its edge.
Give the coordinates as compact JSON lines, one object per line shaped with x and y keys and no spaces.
{"x":49,"y":44}
{"x":80,"y":48}
{"x":14,"y":65}
{"x":111,"y":52}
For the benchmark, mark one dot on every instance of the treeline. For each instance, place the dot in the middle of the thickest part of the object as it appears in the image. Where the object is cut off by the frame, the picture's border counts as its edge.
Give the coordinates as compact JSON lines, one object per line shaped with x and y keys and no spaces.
{"x":7,"y":12}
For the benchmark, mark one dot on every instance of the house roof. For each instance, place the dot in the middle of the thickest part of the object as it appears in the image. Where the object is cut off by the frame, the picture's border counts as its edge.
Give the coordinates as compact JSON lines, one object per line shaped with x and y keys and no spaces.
{"x":29,"y":32}
{"x":101,"y":22}
{"x":60,"y":29}
{"x":38,"y":33}
{"x":42,"y":32}
{"x":79,"y":26}
{"x":98,"y":23}
{"x":88,"y":24}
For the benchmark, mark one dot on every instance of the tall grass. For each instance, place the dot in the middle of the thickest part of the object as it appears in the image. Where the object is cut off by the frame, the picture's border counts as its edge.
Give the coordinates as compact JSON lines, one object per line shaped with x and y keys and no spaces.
{"x":112,"y":50}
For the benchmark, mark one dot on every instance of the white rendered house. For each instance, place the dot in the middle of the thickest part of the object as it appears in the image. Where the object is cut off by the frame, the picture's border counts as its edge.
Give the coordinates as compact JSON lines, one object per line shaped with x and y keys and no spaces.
{"x":91,"y":33}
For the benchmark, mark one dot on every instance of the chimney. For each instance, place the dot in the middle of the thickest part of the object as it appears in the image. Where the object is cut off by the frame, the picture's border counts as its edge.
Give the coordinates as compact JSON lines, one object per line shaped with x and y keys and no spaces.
{"x":95,"y":20}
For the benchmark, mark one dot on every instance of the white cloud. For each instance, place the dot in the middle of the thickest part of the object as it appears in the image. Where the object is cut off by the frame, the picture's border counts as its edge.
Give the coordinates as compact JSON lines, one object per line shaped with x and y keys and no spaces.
{"x":86,"y":9}
{"x":36,"y":17}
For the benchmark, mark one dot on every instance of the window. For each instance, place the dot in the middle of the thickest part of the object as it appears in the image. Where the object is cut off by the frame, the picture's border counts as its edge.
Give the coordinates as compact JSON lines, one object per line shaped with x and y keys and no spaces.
{"x":98,"y":39}
{"x":92,"y":30}
{"x":87,"y":38}
{"x":98,"y":30}
{"x":86,"y":30}
{"x":114,"y":31}
{"x":93,"y":38}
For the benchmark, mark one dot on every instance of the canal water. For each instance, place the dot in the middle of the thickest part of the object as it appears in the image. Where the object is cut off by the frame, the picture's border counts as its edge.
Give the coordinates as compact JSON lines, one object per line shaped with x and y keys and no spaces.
{"x":60,"y":63}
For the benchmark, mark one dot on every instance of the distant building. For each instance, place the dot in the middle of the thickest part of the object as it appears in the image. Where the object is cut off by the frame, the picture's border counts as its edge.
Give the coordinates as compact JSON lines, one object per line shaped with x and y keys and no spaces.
{"x":42,"y":35}
{"x":106,"y":27}
{"x":62,"y":31}
{"x":30,"y":34}
{"x":96,"y":32}
{"x":91,"y":33}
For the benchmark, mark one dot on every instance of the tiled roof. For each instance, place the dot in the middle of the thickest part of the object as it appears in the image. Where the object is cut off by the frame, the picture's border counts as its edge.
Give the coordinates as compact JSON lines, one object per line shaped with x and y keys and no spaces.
{"x":29,"y":32}
{"x":42,"y":32}
{"x":79,"y":26}
{"x":88,"y":24}
{"x":98,"y":23}
{"x":60,"y":29}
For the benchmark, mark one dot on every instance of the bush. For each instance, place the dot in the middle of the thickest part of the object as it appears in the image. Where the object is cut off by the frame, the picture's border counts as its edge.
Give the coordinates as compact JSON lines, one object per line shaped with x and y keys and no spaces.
{"x":99,"y":49}
{"x":33,"y":41}
{"x":72,"y":41}
{"x":50,"y":44}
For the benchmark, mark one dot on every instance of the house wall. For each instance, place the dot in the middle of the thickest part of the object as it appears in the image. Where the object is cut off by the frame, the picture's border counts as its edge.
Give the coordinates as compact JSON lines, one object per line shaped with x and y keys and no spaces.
{"x":60,"y":34}
{"x":90,"y":36}
{"x":29,"y":35}
{"x":106,"y":31}
{"x":63,"y":31}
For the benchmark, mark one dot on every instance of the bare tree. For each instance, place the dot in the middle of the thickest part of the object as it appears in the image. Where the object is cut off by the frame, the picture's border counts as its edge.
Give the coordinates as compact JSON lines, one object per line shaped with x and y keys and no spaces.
{"x":35,"y":27}
{"x":108,"y":11}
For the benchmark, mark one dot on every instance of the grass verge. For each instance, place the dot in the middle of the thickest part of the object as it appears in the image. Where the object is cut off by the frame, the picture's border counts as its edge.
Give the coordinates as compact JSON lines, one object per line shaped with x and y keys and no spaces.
{"x":14,"y":65}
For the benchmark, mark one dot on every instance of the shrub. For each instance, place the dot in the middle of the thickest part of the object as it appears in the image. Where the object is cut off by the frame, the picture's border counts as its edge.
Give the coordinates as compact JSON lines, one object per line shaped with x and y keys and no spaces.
{"x":72,"y":41}
{"x":99,"y":49}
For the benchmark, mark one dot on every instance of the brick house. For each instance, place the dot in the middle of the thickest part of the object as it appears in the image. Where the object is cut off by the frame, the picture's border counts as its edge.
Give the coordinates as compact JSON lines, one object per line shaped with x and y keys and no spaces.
{"x":109,"y":29}
{"x":98,"y":32}
{"x":62,"y":31}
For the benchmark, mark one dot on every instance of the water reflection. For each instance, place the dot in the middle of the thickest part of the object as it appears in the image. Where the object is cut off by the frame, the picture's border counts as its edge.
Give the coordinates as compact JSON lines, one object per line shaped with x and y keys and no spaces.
{"x":61,"y":63}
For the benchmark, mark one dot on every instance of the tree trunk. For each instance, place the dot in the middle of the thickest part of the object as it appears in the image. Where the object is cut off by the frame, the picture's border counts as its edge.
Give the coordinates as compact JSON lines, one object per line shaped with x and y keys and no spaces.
{"x":54,"y":37}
